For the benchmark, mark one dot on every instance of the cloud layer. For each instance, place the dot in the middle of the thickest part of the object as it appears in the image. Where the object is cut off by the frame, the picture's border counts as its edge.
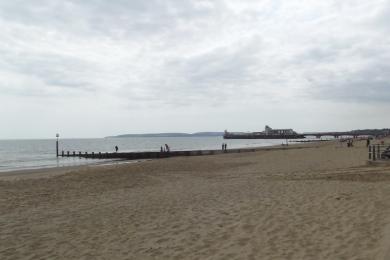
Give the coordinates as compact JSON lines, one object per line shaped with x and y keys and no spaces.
{"x":201,"y":56}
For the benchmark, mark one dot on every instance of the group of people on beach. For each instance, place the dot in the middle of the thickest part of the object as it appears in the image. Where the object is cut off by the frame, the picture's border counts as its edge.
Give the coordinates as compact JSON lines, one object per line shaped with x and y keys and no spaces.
{"x":165,"y":149}
{"x":350,"y":142}
{"x":224,"y":147}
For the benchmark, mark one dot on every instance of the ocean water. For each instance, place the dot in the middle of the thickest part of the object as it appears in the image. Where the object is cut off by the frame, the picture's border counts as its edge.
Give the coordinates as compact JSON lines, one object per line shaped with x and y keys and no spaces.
{"x":31,"y":154}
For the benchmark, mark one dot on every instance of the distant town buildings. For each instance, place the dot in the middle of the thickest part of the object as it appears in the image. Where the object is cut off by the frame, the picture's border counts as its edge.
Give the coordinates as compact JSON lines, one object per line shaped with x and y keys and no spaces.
{"x":269,"y":131}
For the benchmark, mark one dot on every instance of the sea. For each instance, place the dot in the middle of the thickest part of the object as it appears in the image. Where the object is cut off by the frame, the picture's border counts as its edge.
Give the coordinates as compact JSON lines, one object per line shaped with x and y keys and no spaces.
{"x":35,"y":154}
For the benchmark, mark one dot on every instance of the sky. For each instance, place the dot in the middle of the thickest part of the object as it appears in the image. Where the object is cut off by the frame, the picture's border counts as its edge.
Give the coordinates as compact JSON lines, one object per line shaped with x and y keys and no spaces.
{"x":98,"y":68}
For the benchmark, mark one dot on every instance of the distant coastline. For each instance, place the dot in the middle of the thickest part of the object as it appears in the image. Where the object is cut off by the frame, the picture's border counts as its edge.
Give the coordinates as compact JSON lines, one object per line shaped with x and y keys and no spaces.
{"x":372,"y":132}
{"x":198,"y":134}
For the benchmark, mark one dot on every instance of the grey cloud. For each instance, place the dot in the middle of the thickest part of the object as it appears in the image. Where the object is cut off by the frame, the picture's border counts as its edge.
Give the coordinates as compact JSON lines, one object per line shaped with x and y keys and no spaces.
{"x":196,"y":51}
{"x":52,"y":71}
{"x":367,"y":85}
{"x":214,"y":76}
{"x":379,"y":19}
{"x":323,"y":54}
{"x":103,"y":18}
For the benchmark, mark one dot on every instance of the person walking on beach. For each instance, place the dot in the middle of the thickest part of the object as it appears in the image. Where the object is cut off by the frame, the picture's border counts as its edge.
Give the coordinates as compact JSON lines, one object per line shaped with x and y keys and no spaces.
{"x":116,"y":148}
{"x":161,"y":149}
{"x":224,"y":147}
{"x":167,"y":148}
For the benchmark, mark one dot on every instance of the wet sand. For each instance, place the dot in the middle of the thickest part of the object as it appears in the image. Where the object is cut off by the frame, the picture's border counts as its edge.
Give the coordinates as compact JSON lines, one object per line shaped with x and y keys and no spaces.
{"x":320,"y":202}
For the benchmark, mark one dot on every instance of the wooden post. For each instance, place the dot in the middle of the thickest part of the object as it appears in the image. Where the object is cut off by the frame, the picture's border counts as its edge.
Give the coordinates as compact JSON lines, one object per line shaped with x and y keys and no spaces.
{"x":379,"y":152}
{"x":67,"y":153}
{"x":62,"y":153}
{"x":93,"y":154}
{"x":369,"y":153}
{"x":57,"y":135}
{"x":373,"y":153}
{"x":79,"y":154}
{"x":74,"y":153}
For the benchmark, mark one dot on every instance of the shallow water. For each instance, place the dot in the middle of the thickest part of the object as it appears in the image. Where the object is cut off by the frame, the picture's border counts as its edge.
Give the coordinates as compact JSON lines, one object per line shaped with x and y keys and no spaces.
{"x":30,"y":154}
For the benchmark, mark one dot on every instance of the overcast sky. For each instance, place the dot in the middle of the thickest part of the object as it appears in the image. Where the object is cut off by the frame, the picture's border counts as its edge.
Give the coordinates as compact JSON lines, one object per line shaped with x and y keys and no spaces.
{"x":96,"y":68}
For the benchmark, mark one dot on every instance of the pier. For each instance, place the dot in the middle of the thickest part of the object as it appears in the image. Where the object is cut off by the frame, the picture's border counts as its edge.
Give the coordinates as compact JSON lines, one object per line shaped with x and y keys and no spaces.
{"x":334,"y":134}
{"x":354,"y":133}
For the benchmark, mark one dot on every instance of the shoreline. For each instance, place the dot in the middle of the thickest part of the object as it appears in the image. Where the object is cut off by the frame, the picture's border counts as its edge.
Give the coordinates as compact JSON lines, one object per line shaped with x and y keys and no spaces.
{"x":58,"y":170}
{"x":49,"y":171}
{"x":31,"y":159}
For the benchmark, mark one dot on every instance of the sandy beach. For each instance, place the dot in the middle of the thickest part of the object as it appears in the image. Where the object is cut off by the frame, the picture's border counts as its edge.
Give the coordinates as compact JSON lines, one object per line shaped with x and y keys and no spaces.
{"x":319,"y":202}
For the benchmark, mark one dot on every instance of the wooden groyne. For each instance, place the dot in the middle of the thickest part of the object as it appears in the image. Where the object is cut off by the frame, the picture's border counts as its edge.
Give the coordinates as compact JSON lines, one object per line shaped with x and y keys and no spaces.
{"x":156,"y":155}
{"x":148,"y":155}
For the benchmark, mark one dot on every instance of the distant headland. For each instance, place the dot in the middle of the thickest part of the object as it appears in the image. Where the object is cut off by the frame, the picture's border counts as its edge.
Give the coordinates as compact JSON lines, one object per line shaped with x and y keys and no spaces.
{"x":198,"y":134}
{"x":370,"y":132}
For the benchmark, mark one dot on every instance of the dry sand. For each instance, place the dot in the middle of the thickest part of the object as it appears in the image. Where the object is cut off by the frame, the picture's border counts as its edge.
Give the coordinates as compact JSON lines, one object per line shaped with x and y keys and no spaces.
{"x":321,"y":202}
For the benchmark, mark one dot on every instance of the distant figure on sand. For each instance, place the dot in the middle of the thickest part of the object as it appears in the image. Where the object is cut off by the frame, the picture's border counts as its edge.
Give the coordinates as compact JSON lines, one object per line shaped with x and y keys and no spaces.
{"x":368,"y":142}
{"x":116,"y":148}
{"x":161,"y":149}
{"x":167,"y":148}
